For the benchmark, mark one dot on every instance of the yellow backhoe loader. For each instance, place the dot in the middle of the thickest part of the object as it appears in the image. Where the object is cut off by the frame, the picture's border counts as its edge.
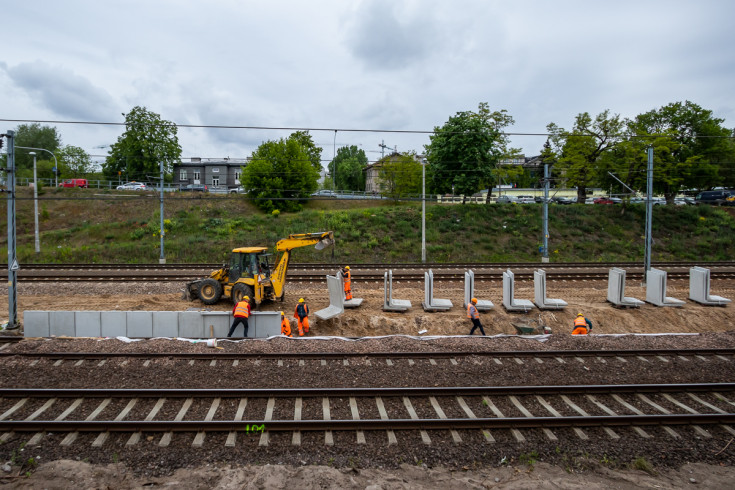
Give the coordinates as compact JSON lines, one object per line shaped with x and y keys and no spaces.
{"x":249,"y":272}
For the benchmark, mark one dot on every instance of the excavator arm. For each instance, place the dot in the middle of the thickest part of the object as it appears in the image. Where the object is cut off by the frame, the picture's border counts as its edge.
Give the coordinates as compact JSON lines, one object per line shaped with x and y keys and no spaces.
{"x":322,"y":240}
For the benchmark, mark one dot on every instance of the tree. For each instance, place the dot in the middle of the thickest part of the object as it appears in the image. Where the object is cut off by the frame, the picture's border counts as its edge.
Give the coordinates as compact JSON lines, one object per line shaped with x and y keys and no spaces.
{"x":280,"y":175}
{"x":351,"y":163}
{"x":314,"y":152}
{"x":34,"y":136}
{"x":74,"y":161}
{"x":399,"y":174}
{"x":147,"y":141}
{"x":581,"y":150}
{"x":464,"y":152}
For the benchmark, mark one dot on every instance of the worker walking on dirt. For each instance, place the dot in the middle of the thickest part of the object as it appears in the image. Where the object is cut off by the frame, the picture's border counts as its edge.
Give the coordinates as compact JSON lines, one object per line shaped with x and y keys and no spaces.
{"x":285,"y":325}
{"x":474,"y":315}
{"x":301,"y":313}
{"x":241,"y":311}
{"x":347,"y":275}
{"x":582,"y":325}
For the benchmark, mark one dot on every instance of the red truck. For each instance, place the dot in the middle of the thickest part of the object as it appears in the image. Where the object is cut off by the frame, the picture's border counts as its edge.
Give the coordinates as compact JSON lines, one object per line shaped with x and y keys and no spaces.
{"x":75,"y":183}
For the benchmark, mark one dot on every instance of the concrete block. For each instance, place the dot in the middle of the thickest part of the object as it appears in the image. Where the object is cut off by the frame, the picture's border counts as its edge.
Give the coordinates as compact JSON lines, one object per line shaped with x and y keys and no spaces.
{"x":267,"y":323}
{"x":140,"y":324}
{"x":36,"y":324}
{"x":114,"y":323}
{"x":336,"y":300}
{"x":616,"y":289}
{"x":88,"y":324}
{"x":509,"y":300}
{"x":61,"y":324}
{"x":430,"y":302}
{"x":191,"y":325}
{"x":165,"y":324}
{"x":219,"y":322}
{"x":390,"y":304}
{"x":699,"y":288}
{"x":656,"y":280}
{"x":469,"y":292}
{"x":539,"y":290}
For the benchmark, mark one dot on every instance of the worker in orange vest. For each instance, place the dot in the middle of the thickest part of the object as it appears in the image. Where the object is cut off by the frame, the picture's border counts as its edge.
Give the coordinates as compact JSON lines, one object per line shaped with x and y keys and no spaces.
{"x":241,"y":311}
{"x":347,"y":275}
{"x":474,"y":315}
{"x":301,"y":313}
{"x":582,"y":326}
{"x":285,"y":325}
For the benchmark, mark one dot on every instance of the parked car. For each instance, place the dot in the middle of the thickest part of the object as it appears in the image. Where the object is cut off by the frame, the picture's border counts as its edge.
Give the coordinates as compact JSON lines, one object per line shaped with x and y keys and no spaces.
{"x":506,"y":199}
{"x":132,"y":186}
{"x":526,"y":199}
{"x":194,"y":188}
{"x":718,"y":198}
{"x":75,"y":183}
{"x":324,"y":193}
{"x":237,"y":190}
{"x":565,"y":200}
{"x":687,"y":201}
{"x":603,"y":200}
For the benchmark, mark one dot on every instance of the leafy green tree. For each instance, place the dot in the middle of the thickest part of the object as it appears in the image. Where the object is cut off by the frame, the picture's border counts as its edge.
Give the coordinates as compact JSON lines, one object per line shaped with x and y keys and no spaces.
{"x":280,"y":175}
{"x":34,"y":136}
{"x":74,"y":161}
{"x":307,"y":143}
{"x":351,"y":163}
{"x":581,"y":149}
{"x":464,"y":152}
{"x":399,"y":175}
{"x":146,"y":142}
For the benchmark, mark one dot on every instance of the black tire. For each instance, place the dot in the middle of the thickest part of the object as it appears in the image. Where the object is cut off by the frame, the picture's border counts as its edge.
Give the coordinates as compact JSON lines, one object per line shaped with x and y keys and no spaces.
{"x":241,"y":289}
{"x":210,"y":291}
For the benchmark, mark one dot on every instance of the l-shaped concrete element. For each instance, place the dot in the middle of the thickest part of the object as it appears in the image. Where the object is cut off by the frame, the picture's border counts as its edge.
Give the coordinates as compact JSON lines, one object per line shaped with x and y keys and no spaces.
{"x":145,"y":324}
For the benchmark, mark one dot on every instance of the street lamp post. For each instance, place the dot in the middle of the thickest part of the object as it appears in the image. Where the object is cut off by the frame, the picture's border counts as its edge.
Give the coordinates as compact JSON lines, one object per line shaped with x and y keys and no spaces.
{"x":35,"y":203}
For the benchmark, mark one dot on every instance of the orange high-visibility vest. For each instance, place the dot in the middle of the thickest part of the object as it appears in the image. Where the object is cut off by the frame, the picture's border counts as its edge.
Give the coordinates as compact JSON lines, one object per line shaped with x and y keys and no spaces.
{"x":580,"y":321}
{"x":242,"y":309}
{"x":472,"y":311}
{"x":286,"y":327}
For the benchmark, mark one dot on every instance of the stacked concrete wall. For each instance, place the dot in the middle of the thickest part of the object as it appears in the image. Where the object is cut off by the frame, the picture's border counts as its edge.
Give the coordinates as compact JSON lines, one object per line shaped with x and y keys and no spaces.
{"x":145,"y":324}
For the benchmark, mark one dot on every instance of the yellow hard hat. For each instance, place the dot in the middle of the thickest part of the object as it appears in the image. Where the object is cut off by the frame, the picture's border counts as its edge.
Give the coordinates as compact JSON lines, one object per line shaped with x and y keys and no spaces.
{"x":347,"y":267}
{"x":474,"y":300}
{"x":246,"y":298}
{"x":301,"y":300}
{"x":580,"y":314}
{"x":282,"y":313}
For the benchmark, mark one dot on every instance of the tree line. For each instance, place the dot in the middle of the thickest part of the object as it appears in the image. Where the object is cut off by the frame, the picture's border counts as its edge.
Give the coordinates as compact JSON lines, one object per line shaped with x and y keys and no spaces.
{"x":692,"y":150}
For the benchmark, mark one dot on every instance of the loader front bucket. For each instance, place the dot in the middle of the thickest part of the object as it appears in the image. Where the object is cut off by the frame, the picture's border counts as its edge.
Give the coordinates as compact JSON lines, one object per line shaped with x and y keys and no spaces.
{"x":322,"y":244}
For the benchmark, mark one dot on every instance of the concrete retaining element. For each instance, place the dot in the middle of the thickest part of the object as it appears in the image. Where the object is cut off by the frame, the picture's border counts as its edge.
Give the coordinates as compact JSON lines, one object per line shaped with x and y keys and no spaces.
{"x":146,"y":324}
{"x":509,"y":300}
{"x":616,"y":289}
{"x":390,"y":304}
{"x":469,"y":292}
{"x":431,"y":303}
{"x":699,"y":285}
{"x":539,"y":293}
{"x":656,"y":289}
{"x":336,"y":300}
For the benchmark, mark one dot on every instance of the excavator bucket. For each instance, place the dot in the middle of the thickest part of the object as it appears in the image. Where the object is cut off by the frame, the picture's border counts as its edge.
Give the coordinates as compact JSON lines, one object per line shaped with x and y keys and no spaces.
{"x":322,"y":244}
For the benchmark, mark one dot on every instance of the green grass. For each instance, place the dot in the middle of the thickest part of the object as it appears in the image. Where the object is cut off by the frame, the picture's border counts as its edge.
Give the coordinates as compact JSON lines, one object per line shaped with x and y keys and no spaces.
{"x":205,"y":229}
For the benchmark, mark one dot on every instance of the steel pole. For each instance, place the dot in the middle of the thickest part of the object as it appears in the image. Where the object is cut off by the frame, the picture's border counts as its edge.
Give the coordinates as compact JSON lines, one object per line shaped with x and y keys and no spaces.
{"x":423,"y":212}
{"x":35,"y":206}
{"x":12,"y":259}
{"x":649,"y":215}
{"x":545,"y":257}
{"x":162,"y":260}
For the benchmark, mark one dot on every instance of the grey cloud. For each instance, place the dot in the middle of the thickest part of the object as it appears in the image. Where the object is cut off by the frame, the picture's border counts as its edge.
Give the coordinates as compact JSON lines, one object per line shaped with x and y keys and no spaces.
{"x":62,"y":91}
{"x":386,"y":39}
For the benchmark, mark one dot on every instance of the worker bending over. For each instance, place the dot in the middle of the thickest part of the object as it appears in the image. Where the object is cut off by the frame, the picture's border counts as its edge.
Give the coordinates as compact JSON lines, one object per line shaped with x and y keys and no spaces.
{"x":301,"y":313}
{"x":347,"y":275}
{"x":241,"y":311}
{"x":285,"y":325}
{"x":582,"y":325}
{"x":474,"y":315}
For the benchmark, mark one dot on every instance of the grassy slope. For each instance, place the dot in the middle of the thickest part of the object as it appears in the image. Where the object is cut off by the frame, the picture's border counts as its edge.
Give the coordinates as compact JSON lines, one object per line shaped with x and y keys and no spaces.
{"x":203,"y":228}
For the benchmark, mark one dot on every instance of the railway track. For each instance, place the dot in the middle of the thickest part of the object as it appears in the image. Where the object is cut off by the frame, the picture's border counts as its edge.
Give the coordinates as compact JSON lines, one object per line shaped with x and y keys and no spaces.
{"x":493,"y":413}
{"x":494,"y":273}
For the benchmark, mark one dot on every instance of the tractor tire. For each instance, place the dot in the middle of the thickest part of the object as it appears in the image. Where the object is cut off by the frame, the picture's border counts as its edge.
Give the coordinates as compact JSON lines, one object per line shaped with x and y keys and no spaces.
{"x":239,"y":290}
{"x":210,"y":291}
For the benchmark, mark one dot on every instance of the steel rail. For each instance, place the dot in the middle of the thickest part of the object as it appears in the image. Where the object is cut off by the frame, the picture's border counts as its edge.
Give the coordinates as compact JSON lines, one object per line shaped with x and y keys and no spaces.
{"x":364,"y":424}
{"x":363,"y":392}
{"x":387,"y":355}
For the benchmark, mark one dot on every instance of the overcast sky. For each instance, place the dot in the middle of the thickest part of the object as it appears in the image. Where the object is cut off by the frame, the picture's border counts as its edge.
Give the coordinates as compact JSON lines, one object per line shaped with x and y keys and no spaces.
{"x":371,"y":64}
